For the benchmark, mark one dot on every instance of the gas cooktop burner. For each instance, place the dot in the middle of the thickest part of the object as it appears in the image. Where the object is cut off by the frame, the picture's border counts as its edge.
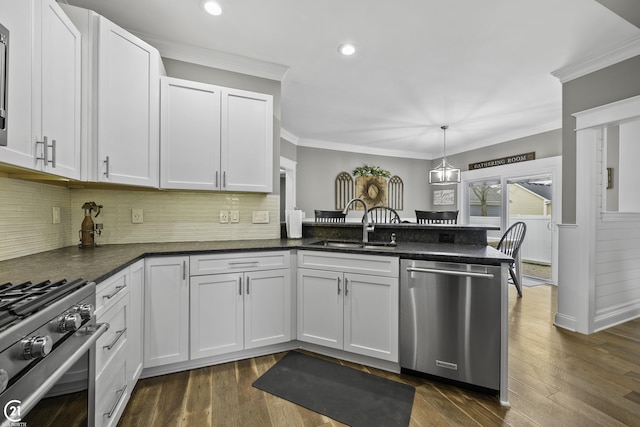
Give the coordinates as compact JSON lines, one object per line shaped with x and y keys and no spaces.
{"x":21,"y":300}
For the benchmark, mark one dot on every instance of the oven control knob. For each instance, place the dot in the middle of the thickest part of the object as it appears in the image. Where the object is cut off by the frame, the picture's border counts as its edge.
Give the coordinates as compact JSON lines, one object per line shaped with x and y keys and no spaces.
{"x":35,"y":347}
{"x":85,"y":310}
{"x":69,"y":322}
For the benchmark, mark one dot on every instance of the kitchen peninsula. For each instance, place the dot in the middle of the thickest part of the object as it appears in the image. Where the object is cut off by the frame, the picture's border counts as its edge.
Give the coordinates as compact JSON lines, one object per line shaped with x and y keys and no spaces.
{"x":201,"y":280}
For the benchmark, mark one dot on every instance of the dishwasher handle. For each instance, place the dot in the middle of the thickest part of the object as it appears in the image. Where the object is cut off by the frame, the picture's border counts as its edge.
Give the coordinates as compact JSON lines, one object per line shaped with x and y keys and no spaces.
{"x":450,"y":272}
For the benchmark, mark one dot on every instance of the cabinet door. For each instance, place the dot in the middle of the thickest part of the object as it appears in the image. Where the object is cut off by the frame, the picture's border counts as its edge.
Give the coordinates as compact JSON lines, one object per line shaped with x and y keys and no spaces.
{"x":216,"y":314}
{"x":128,"y":108}
{"x":320,"y":307}
{"x":56,"y":85}
{"x":17,"y":17}
{"x":267,"y":308}
{"x":189,"y":135}
{"x":247,"y":141}
{"x":371,"y":316}
{"x":134,"y":323}
{"x":166,"y":311}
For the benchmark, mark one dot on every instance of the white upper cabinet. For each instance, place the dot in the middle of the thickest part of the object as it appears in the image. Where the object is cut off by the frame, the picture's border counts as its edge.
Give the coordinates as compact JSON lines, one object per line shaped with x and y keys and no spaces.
{"x":215,"y":138}
{"x":247,"y":141}
{"x":189,"y":135}
{"x":44,"y":88}
{"x":122,"y":97}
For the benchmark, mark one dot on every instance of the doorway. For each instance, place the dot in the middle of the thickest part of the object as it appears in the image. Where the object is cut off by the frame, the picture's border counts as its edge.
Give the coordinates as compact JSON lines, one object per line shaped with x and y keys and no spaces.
{"x":526,"y":191}
{"x":531,"y":201}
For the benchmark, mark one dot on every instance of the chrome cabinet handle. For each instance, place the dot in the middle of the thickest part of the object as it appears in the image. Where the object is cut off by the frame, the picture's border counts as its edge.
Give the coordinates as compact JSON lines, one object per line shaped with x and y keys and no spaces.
{"x":224,"y":179}
{"x":338,"y":279}
{"x":239,"y":285}
{"x":106,"y":170}
{"x":45,"y":152}
{"x":216,"y":179}
{"x":184,"y":270}
{"x":248,"y":279}
{"x":53,"y":153}
{"x":118,"y":399}
{"x":346,"y":287}
{"x":245,"y":264}
{"x":118,"y":289}
{"x":118,"y":335}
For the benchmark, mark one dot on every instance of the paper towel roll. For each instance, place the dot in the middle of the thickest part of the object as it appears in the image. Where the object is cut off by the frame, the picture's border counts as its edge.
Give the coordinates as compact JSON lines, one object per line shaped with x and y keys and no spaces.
{"x":294,"y":224}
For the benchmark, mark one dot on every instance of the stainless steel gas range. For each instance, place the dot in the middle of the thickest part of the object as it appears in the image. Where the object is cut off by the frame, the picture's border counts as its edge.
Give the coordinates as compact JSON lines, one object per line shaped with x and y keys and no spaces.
{"x":45,"y":328}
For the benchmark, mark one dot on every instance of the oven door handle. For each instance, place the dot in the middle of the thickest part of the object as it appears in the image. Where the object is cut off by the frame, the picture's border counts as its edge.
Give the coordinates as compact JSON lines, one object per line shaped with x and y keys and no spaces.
{"x":28,"y":403}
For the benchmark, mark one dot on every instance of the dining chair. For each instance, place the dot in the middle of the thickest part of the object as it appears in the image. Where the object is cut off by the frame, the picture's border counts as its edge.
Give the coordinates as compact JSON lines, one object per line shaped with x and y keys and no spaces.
{"x":437,"y":217}
{"x":329,"y":216}
{"x":382,"y":215}
{"x":510,"y":244}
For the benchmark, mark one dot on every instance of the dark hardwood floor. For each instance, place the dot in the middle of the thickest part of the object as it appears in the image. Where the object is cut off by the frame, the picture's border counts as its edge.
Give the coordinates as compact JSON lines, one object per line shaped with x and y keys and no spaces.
{"x":556,"y":378}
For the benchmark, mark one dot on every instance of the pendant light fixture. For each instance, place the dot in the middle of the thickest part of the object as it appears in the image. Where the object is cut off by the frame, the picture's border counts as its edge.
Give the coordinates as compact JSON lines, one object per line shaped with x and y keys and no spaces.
{"x":444,"y":173}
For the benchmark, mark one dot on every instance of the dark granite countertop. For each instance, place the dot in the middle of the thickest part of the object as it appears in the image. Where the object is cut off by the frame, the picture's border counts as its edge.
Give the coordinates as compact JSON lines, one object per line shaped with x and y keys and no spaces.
{"x":97,"y":264}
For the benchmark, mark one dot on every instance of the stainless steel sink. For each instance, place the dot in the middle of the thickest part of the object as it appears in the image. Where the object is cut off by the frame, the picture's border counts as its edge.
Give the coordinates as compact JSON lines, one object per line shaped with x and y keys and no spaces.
{"x":355,"y":245}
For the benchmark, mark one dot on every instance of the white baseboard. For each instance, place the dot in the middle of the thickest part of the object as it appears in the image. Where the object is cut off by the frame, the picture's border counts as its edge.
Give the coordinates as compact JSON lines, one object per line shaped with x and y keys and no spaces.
{"x":616,"y":315}
{"x":566,"y":322}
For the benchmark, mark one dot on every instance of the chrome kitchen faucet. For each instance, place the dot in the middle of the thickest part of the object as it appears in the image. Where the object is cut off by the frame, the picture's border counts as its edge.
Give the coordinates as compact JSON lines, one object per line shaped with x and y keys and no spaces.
{"x":366,"y":226}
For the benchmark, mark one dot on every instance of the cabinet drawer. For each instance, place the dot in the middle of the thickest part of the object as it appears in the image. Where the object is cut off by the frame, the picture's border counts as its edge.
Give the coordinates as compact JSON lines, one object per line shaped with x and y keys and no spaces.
{"x":246,"y":261}
{"x":350,"y":263}
{"x":112,"y":393}
{"x":113,"y":341}
{"x":110,"y":291}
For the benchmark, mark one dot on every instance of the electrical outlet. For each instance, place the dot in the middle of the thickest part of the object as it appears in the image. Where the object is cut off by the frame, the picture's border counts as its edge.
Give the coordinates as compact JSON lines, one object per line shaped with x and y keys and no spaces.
{"x":224,"y":217}
{"x":234,"y":216}
{"x":260,"y":217}
{"x":137,"y":216}
{"x":56,"y":215}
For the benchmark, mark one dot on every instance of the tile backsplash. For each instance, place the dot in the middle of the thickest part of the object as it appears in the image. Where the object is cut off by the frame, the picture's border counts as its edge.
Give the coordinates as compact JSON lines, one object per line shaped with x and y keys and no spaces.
{"x":26,"y":211}
{"x":26,"y":218}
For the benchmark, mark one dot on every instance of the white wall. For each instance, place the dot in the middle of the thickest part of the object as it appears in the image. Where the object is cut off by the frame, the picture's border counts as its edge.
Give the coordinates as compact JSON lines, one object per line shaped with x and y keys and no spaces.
{"x":317,"y":170}
{"x":629,"y":146}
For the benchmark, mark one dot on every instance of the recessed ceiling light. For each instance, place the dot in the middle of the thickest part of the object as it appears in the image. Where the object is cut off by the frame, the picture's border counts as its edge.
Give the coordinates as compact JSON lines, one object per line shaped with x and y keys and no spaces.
{"x":347,"y":49}
{"x":213,"y":7}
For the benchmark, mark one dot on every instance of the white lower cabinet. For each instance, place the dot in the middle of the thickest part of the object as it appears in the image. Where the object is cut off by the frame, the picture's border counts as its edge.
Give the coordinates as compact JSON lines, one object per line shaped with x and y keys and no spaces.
{"x":246,"y":304}
{"x":342,"y":308}
{"x":166,"y":310}
{"x":134,"y":324}
{"x":118,"y":358}
{"x":237,"y":311}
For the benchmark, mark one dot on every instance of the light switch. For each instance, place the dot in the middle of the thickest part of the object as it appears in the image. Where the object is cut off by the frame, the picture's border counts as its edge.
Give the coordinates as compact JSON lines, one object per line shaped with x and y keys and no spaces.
{"x":234,"y":216}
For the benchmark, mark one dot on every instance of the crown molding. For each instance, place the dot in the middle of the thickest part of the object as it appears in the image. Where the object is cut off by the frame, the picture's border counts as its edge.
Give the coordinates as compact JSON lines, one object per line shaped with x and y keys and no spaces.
{"x":508,"y":136}
{"x":285,"y":134}
{"x":216,"y":59}
{"x":350,"y":148}
{"x":623,"y":51}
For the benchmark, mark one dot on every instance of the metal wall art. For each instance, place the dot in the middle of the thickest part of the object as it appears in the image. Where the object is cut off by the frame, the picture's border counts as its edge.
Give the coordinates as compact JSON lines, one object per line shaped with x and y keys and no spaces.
{"x":371,"y":186}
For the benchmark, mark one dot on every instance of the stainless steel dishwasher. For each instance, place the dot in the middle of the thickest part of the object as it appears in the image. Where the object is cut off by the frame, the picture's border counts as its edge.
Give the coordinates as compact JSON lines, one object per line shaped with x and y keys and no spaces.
{"x":450,"y":321}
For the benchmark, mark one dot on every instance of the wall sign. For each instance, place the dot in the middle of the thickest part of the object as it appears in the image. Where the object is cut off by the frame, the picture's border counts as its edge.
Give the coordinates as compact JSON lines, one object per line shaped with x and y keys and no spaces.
{"x":503,"y":161}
